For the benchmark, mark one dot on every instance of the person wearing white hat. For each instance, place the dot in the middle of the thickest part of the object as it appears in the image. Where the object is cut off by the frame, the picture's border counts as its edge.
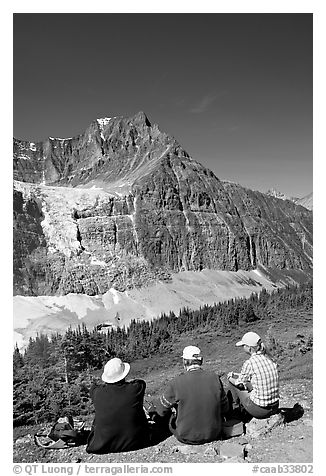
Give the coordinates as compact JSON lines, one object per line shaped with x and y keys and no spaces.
{"x":256,"y":388}
{"x":195,"y":401}
{"x":120,"y":423}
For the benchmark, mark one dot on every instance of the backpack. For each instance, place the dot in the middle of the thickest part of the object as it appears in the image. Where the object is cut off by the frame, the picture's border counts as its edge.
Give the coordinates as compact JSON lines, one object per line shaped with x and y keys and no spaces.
{"x":65,"y":433}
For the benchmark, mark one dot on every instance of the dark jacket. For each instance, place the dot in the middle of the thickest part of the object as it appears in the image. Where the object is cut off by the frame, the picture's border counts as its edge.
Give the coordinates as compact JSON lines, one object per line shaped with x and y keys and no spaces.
{"x":120,"y":423}
{"x":200,"y":401}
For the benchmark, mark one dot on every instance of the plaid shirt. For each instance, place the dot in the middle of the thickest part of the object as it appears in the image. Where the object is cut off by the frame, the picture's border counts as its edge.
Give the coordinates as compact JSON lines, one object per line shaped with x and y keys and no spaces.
{"x":262,"y":373}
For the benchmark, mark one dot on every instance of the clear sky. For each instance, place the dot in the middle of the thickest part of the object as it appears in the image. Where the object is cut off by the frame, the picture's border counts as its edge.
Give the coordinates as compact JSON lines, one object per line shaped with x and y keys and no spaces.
{"x":234,"y":89}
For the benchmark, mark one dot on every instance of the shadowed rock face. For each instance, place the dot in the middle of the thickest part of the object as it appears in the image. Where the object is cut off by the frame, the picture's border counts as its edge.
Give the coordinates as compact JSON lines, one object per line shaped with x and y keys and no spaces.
{"x":27,"y":234}
{"x":125,"y":205}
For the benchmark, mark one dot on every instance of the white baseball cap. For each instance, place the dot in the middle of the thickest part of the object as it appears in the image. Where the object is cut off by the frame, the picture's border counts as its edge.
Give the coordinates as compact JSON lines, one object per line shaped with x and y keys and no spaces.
{"x":191,"y":352}
{"x":115,"y":370}
{"x":250,"y":338}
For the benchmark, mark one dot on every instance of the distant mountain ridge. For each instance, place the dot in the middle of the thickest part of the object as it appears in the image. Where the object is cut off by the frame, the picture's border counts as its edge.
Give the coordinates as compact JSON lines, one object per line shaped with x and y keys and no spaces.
{"x":123,"y":205}
{"x":306,"y":201}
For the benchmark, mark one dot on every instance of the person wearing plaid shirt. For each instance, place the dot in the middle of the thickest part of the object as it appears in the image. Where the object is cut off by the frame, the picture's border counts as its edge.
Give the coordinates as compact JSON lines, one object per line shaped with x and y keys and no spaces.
{"x":256,"y":388}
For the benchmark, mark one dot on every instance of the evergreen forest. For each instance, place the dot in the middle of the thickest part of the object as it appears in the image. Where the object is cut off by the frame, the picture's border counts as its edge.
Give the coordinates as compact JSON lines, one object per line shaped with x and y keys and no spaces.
{"x":54,"y":373}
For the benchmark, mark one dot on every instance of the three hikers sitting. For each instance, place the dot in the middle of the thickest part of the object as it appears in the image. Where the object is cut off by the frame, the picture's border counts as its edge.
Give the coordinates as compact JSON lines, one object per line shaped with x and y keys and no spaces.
{"x":192,"y":407}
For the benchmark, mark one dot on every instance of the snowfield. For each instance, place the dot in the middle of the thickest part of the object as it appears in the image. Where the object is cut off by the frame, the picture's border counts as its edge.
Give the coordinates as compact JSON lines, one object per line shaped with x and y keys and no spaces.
{"x":193,"y":289}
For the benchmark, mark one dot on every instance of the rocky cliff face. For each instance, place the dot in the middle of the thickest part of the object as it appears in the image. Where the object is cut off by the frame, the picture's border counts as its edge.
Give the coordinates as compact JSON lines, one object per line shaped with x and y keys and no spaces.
{"x":123,"y":205}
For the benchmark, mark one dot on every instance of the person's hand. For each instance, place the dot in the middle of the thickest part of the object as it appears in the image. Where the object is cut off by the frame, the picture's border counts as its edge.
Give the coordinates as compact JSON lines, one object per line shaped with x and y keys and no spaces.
{"x":155,"y":416}
{"x":232,"y":380}
{"x":248,"y":386}
{"x":151,"y":409}
{"x":233,"y":375}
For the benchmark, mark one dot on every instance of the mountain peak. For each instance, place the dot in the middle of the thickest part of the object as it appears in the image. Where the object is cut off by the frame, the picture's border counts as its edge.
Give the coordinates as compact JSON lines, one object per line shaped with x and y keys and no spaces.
{"x":141,"y":117}
{"x":127,"y":206}
{"x":110,"y":149}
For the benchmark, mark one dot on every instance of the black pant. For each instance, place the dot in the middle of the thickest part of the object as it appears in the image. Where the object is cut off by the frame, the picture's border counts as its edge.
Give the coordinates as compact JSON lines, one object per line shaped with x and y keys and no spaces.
{"x":242,"y":397}
{"x":159,"y":429}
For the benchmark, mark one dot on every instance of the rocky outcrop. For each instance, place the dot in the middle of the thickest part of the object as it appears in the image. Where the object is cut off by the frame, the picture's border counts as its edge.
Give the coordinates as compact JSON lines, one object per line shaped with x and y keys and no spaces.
{"x":128,"y":206}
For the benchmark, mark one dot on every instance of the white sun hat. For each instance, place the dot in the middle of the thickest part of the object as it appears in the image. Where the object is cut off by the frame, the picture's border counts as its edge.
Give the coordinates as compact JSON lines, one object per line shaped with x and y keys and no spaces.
{"x":115,"y":370}
{"x":191,"y":352}
{"x":250,"y":338}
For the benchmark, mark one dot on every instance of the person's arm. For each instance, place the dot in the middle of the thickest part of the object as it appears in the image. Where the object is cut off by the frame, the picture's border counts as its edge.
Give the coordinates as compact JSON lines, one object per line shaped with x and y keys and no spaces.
{"x":167,"y":401}
{"x":243,"y":377}
{"x":92,"y":390}
{"x":141,"y":386}
{"x":224,"y":400}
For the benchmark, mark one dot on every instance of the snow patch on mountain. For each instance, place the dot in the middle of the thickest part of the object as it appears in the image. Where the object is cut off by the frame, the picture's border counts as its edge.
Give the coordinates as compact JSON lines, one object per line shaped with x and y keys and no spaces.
{"x":275,"y":193}
{"x":103,"y":121}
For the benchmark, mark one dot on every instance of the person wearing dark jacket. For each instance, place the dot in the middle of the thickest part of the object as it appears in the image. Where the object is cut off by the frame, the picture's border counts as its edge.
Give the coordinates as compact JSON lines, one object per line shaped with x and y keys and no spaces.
{"x":195,"y":400}
{"x":120,"y":422}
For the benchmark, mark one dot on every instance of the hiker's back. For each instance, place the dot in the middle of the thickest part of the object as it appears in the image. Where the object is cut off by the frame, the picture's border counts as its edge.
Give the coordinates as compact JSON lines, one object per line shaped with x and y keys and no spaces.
{"x":200,"y":398}
{"x":265,"y":380}
{"x":195,"y":401}
{"x":124,"y":397}
{"x":120,"y":423}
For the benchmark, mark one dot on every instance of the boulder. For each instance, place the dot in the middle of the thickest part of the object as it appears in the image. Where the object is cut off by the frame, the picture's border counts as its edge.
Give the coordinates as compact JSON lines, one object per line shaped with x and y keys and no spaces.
{"x":256,"y":428}
{"x":231,"y":450}
{"x":211,"y":451}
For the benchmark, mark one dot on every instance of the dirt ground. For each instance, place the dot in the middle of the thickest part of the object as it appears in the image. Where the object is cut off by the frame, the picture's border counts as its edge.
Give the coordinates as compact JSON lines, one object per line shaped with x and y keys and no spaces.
{"x":289,"y":443}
